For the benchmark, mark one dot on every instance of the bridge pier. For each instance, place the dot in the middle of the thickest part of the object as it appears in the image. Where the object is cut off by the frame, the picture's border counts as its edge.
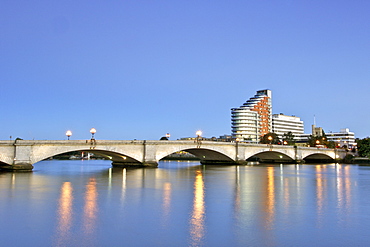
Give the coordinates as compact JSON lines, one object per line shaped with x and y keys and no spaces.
{"x":241,"y":162}
{"x":150,"y":164}
{"x":217,"y":162}
{"x":134,"y":164}
{"x":21,"y":166}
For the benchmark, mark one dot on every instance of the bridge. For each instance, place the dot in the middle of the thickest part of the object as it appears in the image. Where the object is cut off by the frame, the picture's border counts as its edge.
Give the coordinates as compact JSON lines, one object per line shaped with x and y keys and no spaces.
{"x":22,"y":154}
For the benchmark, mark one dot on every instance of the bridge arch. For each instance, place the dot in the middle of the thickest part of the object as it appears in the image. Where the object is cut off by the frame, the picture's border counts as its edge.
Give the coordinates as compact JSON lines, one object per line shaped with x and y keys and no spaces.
{"x":271,"y":156}
{"x":204,"y":154}
{"x":2,"y":163}
{"x":318,"y":157}
{"x":4,"y":160}
{"x":111,"y":155}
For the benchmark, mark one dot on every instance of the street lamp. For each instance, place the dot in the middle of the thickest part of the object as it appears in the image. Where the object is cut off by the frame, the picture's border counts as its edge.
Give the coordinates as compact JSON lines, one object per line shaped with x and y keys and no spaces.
{"x":92,"y":131}
{"x":68,"y":134}
{"x":317,"y":142}
{"x":270,"y":139}
{"x":199,"y":134}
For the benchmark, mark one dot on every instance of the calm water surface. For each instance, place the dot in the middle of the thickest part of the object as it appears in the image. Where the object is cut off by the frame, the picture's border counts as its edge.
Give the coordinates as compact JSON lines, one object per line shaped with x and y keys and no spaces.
{"x":88,"y":203}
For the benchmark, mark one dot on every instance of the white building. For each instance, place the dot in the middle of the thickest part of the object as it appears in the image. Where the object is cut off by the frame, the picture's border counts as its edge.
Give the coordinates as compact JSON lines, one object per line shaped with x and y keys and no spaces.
{"x":253,"y":118}
{"x":244,"y":124}
{"x":342,"y":138}
{"x":282,"y":124}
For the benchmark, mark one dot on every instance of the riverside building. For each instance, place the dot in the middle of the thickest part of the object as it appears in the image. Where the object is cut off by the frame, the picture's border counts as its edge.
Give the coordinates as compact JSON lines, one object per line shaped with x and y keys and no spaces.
{"x":342,"y":138}
{"x":282,"y":124}
{"x":254,"y":118}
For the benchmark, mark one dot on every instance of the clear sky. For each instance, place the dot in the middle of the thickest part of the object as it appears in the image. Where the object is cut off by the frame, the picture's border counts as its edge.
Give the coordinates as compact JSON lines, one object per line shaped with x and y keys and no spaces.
{"x":139,"y":69}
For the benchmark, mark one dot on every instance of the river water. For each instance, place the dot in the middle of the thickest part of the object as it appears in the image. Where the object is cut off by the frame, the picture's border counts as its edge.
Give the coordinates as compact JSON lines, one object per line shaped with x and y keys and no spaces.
{"x":88,"y":203}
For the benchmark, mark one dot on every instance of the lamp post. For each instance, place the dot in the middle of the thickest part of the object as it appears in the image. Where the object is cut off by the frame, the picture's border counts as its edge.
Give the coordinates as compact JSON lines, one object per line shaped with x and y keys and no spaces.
{"x":68,"y":134}
{"x":270,"y":140}
{"x":199,"y":134}
{"x":92,"y":141}
{"x":92,"y":131}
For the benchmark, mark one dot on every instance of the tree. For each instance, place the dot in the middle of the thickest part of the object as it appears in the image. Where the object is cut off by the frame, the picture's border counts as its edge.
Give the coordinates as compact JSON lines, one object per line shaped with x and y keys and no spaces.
{"x":330,"y":144}
{"x":288,"y":138}
{"x":363,"y":147}
{"x":269,"y":138}
{"x":314,"y":141}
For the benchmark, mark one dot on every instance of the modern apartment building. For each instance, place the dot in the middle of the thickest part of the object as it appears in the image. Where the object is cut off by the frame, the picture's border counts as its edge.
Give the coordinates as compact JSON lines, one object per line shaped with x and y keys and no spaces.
{"x":254,"y":118}
{"x":282,"y":124}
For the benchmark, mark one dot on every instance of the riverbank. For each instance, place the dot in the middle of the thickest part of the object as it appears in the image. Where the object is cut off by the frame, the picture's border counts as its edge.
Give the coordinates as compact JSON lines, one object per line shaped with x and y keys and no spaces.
{"x":361,"y":160}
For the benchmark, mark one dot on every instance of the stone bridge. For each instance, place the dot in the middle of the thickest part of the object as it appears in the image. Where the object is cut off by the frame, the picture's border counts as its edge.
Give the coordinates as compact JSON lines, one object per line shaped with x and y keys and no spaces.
{"x":22,"y":154}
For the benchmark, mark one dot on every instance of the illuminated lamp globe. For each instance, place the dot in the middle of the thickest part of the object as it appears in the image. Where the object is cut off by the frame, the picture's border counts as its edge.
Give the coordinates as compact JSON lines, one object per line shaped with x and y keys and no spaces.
{"x":68,"y":134}
{"x":92,"y":131}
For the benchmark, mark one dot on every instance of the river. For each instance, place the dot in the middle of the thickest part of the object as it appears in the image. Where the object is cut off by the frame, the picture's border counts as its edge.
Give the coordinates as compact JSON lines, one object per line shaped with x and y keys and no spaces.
{"x":89,"y":203}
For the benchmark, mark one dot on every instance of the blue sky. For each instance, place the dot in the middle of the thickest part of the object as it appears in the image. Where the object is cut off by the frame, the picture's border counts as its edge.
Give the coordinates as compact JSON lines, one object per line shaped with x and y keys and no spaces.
{"x":140,"y":69}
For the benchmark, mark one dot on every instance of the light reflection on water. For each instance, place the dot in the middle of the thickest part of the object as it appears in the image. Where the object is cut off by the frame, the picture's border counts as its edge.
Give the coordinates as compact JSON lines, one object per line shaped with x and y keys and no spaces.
{"x":64,"y":214}
{"x":270,"y":199}
{"x":166,"y":204}
{"x":90,"y":208}
{"x":197,"y":230}
{"x":73,"y":203}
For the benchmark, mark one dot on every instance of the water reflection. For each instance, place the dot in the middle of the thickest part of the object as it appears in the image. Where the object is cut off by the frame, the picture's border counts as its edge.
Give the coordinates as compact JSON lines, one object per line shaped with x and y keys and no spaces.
{"x":13,"y":181}
{"x":91,"y":208}
{"x":286,"y":193}
{"x":197,"y":230}
{"x":270,"y":199}
{"x":344,"y":187}
{"x":320,"y":193}
{"x":272,"y":205}
{"x":64,"y":213}
{"x":166,"y":204}
{"x":123,"y":194}
{"x":237,"y":196}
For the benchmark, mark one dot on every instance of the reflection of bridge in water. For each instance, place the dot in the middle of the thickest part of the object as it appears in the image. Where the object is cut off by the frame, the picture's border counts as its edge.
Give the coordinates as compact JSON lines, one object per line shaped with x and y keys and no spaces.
{"x":22,"y":154}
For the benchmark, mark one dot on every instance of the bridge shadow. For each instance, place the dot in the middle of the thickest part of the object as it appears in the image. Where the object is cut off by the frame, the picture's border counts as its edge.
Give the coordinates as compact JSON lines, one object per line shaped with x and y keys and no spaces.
{"x":318,"y":158}
{"x":202,"y":155}
{"x":84,"y":154}
{"x":271,"y":157}
{"x":275,"y":157}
